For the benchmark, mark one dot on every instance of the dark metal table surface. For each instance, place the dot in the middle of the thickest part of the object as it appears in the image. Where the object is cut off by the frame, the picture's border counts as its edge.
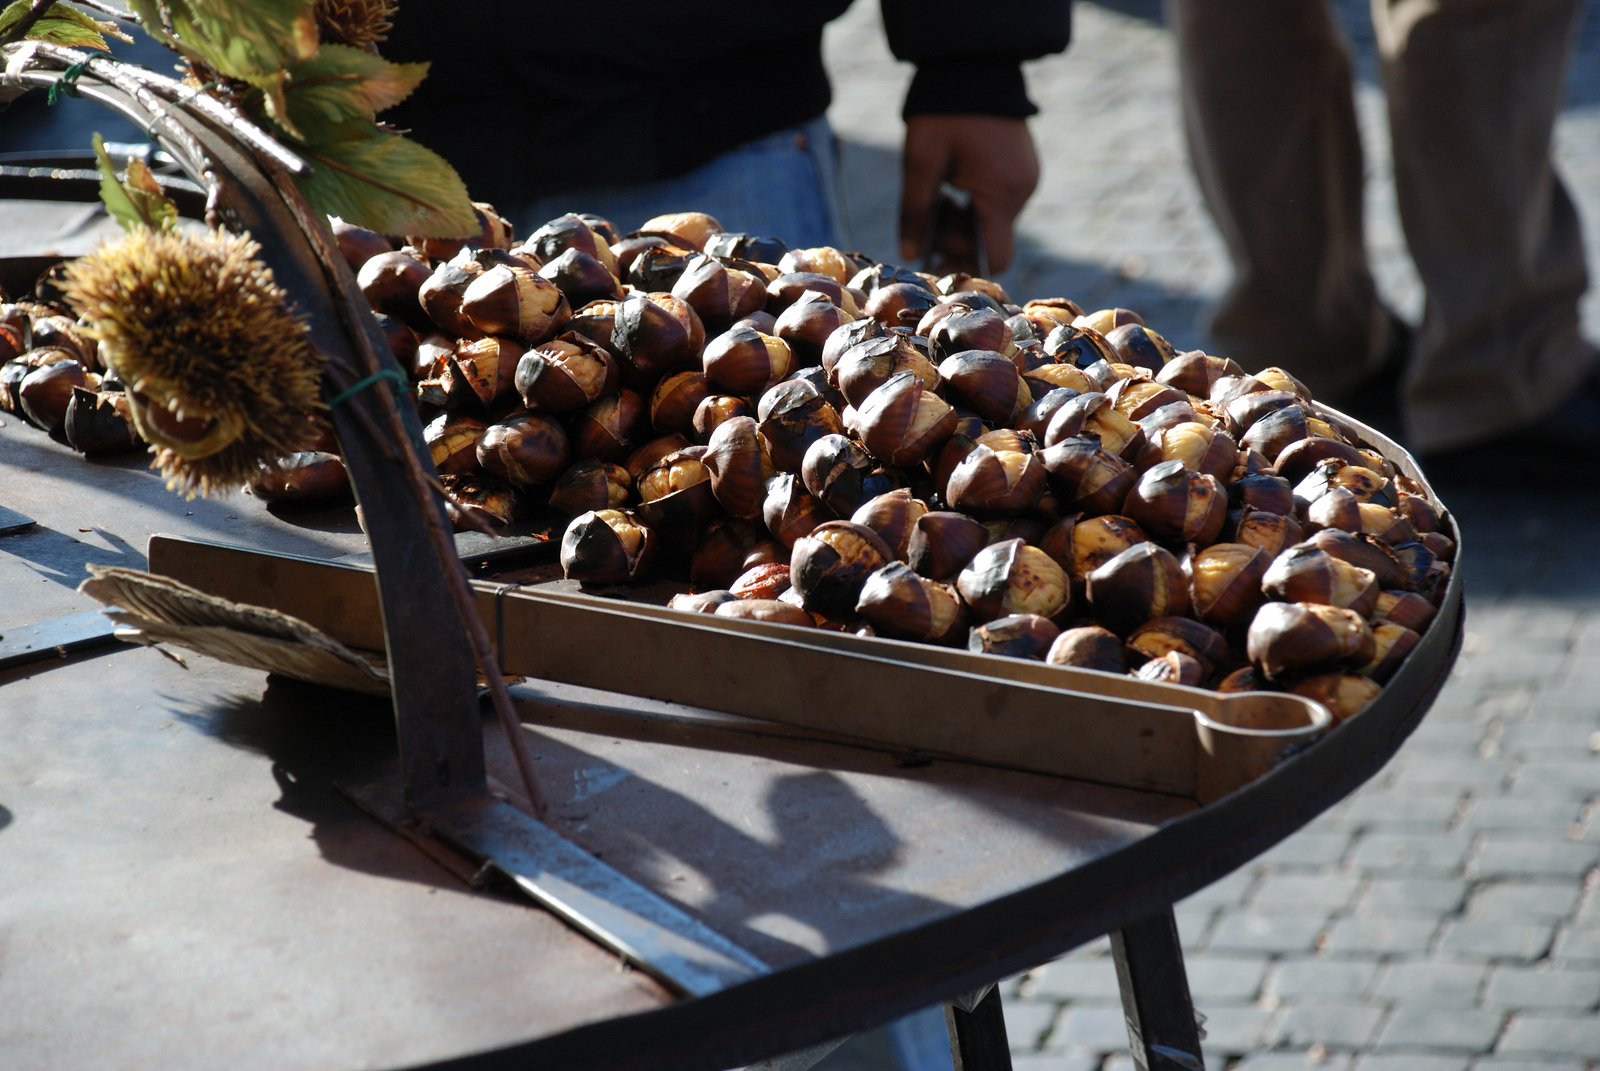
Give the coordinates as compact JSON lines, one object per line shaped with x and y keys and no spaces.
{"x":185,"y":885}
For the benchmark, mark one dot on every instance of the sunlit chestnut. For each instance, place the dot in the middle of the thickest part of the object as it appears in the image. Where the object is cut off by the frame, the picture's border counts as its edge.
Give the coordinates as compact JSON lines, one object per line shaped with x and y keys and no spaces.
{"x":901,"y":422}
{"x":528,"y":450}
{"x":899,"y":603}
{"x":305,"y":478}
{"x":714,"y":410}
{"x":476,"y":502}
{"x":1196,"y":372}
{"x":1199,"y":447}
{"x":675,"y":497}
{"x":1405,"y":608}
{"x":1277,"y":379}
{"x":1334,"y":508}
{"x":766,"y":580}
{"x":1012,"y":577}
{"x":900,"y":304}
{"x":807,"y":324}
{"x":591,"y":484}
{"x":45,"y":392}
{"x":1290,"y":637}
{"x":565,"y":374}
{"x":1092,"y":479}
{"x":843,"y":337}
{"x":842,"y":474}
{"x":1140,"y":345}
{"x":1174,"y":667}
{"x":675,"y":398}
{"x":702,"y":602}
{"x":1014,"y":636}
{"x":1044,"y":378}
{"x":647,"y":454}
{"x":1091,"y":413}
{"x":867,"y":365}
{"x":790,"y":287}
{"x":1174,"y":503}
{"x":1047,"y":314}
{"x":744,"y":246}
{"x":513,"y":301}
{"x":693,"y":227}
{"x":390,"y":281}
{"x":790,"y":511}
{"x":739,"y":467}
{"x":582,"y":277}
{"x":772,"y":611}
{"x":452,"y":441}
{"x":792,"y":414}
{"x":652,"y":263}
{"x":1225,"y":582}
{"x":1078,"y":346}
{"x":978,"y":329}
{"x":1088,"y":647}
{"x":1363,"y":550}
{"x":989,"y":482}
{"x":892,"y":515}
{"x":986,"y":382}
{"x":657,"y":332}
{"x":1272,"y":532}
{"x":1194,"y":639}
{"x":744,"y":361}
{"x":942,"y":542}
{"x":1392,"y":642}
{"x":1142,"y":582}
{"x":570,"y":231}
{"x":719,"y":293}
{"x":1274,"y":431}
{"x":831,"y":563}
{"x":1344,"y":694}
{"x":1307,"y":574}
{"x":1296,"y":461}
{"x":608,"y":546}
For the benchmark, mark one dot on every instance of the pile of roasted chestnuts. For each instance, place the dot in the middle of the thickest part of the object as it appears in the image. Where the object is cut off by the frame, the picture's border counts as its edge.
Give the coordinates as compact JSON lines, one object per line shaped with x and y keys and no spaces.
{"x":809,"y":437}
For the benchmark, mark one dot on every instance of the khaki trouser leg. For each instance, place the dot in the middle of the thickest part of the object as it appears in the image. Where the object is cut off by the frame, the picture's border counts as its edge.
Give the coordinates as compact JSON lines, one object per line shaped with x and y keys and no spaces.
{"x":1474,"y":88}
{"x":1269,"y":116}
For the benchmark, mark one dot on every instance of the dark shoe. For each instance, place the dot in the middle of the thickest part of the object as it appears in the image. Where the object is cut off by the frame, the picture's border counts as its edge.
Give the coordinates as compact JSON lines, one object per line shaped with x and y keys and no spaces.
{"x":1569,"y":436}
{"x":1375,"y":401}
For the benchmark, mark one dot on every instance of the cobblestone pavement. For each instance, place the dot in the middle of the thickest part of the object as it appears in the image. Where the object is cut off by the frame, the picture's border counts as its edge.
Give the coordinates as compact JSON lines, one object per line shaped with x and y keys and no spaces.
{"x":1446,"y":915}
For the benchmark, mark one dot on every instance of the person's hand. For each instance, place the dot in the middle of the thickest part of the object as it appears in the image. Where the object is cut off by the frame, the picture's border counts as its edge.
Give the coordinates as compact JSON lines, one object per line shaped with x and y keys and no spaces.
{"x":991,"y":157}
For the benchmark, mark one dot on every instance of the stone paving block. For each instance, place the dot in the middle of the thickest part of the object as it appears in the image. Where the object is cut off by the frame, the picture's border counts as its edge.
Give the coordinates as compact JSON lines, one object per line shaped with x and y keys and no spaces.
{"x":1225,"y":978}
{"x":1304,"y":893}
{"x":1432,"y":897}
{"x":1194,"y":926}
{"x":1507,"y":855}
{"x":1438,"y":854}
{"x":1533,"y":1063}
{"x":1576,"y":778}
{"x":1310,"y":847}
{"x":1516,"y":901}
{"x":1574,"y":737}
{"x":1338,"y":1025}
{"x":1504,"y":813}
{"x":1551,"y":1034}
{"x":1090,"y":1026}
{"x":1411,"y":1061}
{"x":1027,"y":1022}
{"x":1309,"y":1060}
{"x":1079,"y":1060}
{"x":1240,"y":931}
{"x":1486,"y":940}
{"x":1434,"y":732}
{"x":1314,"y":976}
{"x":1426,"y":1028}
{"x":1471,"y":770}
{"x":1393,"y":808}
{"x":1233,"y":1028}
{"x":1570,"y":988}
{"x":1578,"y":944}
{"x":1073,"y":979}
{"x":1439,"y":983}
{"x":1225,"y":891}
{"x":1380,"y":936}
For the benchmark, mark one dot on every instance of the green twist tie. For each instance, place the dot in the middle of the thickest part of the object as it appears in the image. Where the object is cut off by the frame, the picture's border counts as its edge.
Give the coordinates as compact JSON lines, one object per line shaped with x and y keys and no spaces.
{"x":67,"y":83}
{"x":362,"y":384}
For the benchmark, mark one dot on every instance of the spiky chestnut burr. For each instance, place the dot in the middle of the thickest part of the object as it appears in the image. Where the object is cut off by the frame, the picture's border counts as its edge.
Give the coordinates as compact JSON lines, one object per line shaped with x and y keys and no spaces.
{"x":220,"y":371}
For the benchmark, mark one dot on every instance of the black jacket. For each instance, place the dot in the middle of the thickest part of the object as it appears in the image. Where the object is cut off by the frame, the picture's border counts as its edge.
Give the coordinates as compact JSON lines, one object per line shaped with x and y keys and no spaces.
{"x":527,"y":98}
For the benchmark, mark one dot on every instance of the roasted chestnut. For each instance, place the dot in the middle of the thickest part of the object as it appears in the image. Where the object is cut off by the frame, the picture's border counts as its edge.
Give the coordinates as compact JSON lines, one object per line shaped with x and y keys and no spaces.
{"x":830,"y":566}
{"x":607,"y":546}
{"x":1012,"y":577}
{"x":901,"y":603}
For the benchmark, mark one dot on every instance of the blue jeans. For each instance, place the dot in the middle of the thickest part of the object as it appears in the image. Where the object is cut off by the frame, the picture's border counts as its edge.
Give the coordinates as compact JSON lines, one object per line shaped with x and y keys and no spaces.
{"x":780,"y":186}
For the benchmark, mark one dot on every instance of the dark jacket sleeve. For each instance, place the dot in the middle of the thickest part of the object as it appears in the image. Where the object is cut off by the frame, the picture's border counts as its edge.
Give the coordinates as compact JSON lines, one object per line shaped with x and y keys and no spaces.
{"x":969,"y":56}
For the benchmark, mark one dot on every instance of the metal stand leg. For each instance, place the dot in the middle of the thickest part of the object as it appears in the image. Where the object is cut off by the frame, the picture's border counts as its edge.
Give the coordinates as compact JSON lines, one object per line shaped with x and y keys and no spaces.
{"x":1155,"y":995}
{"x":978,"y":1036}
